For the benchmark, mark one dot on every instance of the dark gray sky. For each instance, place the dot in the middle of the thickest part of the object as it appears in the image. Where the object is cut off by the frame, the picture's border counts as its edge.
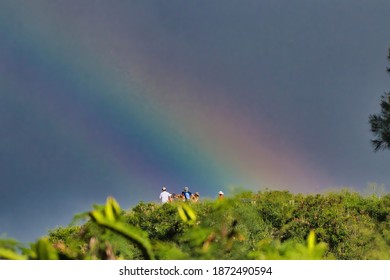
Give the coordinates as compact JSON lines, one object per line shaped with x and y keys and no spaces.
{"x":119,"y":98}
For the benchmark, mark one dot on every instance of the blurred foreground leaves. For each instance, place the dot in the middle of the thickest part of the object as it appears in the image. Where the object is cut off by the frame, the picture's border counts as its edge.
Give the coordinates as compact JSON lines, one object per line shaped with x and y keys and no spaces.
{"x":265,"y":225}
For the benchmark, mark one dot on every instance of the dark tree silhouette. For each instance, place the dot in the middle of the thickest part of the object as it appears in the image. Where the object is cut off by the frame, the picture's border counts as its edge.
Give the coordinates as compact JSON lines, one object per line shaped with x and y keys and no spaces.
{"x":380,"y":123}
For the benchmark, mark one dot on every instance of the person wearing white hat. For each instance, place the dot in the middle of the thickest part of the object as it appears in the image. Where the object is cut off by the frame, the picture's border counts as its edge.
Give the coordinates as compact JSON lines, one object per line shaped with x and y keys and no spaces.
{"x":164,"y":195}
{"x":220,"y":195}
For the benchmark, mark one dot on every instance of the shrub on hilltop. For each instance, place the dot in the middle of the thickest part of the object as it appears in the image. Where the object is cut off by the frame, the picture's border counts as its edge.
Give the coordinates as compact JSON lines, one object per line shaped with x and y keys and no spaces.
{"x":264,"y":225}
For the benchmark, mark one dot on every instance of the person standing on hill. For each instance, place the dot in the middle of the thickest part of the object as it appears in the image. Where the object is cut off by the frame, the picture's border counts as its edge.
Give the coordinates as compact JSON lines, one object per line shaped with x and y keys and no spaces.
{"x":164,"y":195}
{"x":220,"y":195}
{"x":195,"y":197}
{"x":187,"y":194}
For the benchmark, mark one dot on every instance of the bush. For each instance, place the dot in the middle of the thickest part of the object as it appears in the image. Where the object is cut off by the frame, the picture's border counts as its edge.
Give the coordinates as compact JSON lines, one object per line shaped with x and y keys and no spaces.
{"x":265,"y":225}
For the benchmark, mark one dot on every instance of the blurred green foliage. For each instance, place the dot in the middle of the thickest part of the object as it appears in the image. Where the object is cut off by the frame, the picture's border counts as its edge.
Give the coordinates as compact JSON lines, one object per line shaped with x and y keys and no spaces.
{"x":264,"y":225}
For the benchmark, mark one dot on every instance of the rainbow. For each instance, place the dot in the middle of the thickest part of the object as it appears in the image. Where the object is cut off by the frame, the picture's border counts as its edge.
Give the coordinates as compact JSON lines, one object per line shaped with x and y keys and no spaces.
{"x":146,"y":120}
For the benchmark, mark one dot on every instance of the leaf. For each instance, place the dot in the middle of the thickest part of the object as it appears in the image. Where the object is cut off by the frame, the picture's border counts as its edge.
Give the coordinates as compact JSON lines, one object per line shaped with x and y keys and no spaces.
{"x":186,"y":213}
{"x":311,"y":240}
{"x":11,"y":255}
{"x":45,"y":251}
{"x":109,"y":217}
{"x":182,"y":214}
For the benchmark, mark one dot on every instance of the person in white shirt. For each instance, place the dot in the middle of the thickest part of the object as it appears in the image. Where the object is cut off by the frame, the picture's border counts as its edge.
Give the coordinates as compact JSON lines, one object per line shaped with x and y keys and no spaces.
{"x":164,"y":195}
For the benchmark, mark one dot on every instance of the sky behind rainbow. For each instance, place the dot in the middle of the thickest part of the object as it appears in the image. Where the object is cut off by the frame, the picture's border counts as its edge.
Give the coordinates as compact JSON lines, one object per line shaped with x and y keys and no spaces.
{"x":120,"y":98}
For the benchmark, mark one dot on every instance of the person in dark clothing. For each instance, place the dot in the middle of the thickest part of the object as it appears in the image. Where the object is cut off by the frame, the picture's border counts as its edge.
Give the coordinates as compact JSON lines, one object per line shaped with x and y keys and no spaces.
{"x":187,"y":194}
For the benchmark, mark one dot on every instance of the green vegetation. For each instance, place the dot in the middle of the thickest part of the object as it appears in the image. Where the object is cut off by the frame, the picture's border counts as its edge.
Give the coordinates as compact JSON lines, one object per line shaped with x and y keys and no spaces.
{"x":263,"y":225}
{"x":380,"y":123}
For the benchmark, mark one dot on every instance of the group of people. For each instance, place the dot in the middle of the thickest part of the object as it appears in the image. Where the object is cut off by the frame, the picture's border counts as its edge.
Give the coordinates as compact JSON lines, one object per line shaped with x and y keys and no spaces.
{"x":185,"y":195}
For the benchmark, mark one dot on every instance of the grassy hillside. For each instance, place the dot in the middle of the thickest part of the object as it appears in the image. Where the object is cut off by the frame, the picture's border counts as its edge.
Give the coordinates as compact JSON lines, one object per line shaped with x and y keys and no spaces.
{"x":264,"y":225}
